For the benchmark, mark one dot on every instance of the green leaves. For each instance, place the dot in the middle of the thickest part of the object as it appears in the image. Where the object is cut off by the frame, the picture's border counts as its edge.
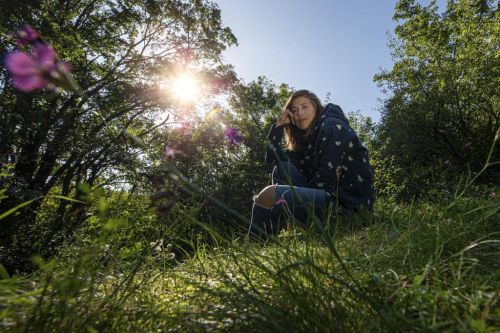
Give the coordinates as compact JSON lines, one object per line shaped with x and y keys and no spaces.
{"x":3,"y":272}
{"x":116,"y":223}
{"x":443,"y":89}
{"x":45,"y":266}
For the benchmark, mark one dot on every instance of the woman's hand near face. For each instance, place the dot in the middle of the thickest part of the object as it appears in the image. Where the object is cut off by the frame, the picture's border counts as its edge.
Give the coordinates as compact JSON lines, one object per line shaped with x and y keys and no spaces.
{"x":285,"y":118}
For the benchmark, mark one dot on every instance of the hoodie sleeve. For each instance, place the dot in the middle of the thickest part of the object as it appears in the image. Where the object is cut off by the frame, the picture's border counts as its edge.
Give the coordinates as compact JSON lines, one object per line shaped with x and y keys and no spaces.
{"x":273,"y":145}
{"x":332,"y":145}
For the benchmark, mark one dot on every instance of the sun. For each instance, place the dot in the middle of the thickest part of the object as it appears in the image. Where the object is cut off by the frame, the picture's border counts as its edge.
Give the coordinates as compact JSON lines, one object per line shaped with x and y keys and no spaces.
{"x":186,"y":88}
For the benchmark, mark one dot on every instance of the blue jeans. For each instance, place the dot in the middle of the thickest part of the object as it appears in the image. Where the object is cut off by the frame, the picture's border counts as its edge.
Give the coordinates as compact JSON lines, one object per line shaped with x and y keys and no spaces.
{"x":292,"y":200}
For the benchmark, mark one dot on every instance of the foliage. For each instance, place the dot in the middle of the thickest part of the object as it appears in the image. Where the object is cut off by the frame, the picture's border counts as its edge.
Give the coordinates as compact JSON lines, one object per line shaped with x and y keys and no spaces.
{"x":362,"y":125}
{"x":120,"y":52}
{"x":407,"y":268}
{"x":443,"y":109}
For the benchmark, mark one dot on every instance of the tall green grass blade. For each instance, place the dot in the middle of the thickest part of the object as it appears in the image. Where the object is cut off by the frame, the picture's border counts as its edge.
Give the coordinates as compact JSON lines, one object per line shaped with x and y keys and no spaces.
{"x":13,"y":210}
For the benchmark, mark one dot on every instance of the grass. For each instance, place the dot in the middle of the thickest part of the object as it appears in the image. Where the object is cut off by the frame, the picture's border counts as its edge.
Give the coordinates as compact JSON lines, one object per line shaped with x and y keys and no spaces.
{"x":420,"y":268}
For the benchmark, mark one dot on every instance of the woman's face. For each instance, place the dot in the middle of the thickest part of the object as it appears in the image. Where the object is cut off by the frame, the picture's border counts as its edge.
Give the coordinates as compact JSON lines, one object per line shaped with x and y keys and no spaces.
{"x":303,"y":112}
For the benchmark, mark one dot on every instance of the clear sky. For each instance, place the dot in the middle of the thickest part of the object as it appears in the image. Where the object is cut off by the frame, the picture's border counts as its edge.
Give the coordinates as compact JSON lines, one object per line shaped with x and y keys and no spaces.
{"x":334,"y":46}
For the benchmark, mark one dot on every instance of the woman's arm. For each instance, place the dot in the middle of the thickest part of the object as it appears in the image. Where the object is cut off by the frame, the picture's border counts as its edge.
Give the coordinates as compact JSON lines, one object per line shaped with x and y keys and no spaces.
{"x":274,"y":153}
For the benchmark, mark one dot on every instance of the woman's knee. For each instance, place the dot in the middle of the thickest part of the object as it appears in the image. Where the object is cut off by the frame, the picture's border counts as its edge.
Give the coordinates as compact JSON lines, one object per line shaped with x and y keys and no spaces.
{"x":266,"y":197}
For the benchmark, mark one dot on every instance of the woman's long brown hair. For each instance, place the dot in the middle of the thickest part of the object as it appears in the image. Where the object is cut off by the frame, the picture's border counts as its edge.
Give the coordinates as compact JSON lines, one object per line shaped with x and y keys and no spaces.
{"x":295,"y":138}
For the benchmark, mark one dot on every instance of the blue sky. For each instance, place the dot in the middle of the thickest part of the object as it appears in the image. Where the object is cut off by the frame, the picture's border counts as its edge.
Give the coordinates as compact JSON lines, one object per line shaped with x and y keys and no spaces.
{"x":334,"y":46}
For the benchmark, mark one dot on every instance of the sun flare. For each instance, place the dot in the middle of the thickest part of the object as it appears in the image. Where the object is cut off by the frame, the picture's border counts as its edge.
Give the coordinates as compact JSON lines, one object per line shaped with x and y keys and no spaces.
{"x":186,"y":88}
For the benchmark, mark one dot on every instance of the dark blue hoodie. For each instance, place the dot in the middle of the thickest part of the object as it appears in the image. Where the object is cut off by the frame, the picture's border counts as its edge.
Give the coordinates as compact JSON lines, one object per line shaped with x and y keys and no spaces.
{"x":333,"y":147}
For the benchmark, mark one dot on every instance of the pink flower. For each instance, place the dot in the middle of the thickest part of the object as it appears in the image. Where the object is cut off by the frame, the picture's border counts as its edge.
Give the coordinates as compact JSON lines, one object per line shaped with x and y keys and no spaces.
{"x":35,"y":71}
{"x":493,"y":195}
{"x":233,"y":135}
{"x":26,"y":35}
{"x":171,"y":151}
{"x":280,"y":201}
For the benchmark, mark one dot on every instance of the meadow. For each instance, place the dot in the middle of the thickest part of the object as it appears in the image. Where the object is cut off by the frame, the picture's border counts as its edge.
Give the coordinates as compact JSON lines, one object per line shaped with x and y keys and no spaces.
{"x":415,"y":267}
{"x":126,"y":184}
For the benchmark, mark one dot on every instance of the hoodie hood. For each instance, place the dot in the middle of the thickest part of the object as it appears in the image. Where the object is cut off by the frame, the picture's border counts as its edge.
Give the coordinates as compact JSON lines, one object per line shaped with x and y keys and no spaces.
{"x":332,"y":110}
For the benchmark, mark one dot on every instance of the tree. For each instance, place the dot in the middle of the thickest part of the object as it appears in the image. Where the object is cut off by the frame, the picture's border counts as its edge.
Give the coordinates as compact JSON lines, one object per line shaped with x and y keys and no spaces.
{"x":443,"y":108}
{"x":363,"y":125}
{"x":120,"y":52}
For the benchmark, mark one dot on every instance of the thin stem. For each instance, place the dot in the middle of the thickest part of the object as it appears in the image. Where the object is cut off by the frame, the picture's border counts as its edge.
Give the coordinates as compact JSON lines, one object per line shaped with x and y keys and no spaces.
{"x":486,"y":165}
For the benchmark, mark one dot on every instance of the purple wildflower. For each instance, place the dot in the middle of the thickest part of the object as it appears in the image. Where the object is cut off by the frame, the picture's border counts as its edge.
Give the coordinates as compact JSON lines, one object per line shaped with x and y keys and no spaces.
{"x":233,"y":135}
{"x":26,"y":35}
{"x":37,"y":70}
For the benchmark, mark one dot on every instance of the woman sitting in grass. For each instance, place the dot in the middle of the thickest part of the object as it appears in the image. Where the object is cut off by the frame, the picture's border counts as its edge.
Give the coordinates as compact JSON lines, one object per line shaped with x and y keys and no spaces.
{"x":324,"y":164}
